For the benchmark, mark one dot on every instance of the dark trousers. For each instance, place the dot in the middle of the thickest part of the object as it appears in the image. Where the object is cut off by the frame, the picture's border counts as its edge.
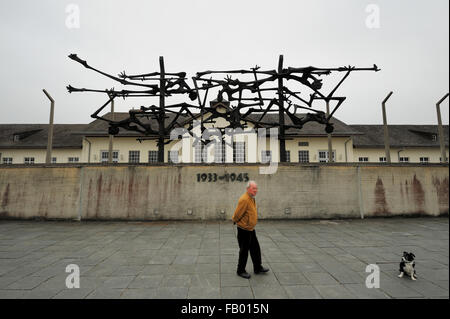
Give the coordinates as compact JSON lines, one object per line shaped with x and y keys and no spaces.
{"x":248,"y":242}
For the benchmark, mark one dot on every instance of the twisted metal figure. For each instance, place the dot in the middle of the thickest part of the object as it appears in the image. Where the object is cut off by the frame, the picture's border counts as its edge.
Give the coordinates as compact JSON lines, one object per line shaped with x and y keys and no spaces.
{"x":246,"y":109}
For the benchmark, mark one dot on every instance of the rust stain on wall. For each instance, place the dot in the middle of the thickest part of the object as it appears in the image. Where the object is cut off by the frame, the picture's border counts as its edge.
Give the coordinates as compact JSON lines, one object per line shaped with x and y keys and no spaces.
{"x":99,"y":193}
{"x":146,"y":198}
{"x":5,"y":199}
{"x":156,"y":188}
{"x":120,"y":188}
{"x":404,"y":199}
{"x":161,"y":184}
{"x":418,"y":194}
{"x":131,"y":197}
{"x":178,"y":183}
{"x":406,"y":187}
{"x":52,"y":201}
{"x":108,"y":189}
{"x":442,"y":193}
{"x":381,"y":207}
{"x":89,"y":195}
{"x":41,"y":206}
{"x":130,"y":189}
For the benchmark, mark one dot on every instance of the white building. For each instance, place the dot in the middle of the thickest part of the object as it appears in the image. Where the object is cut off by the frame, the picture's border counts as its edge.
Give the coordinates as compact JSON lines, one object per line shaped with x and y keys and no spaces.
{"x":89,"y":143}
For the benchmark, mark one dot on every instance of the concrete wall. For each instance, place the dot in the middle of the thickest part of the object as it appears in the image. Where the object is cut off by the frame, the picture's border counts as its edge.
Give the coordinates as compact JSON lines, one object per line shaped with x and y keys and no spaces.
{"x":28,"y":192}
{"x":173,"y":192}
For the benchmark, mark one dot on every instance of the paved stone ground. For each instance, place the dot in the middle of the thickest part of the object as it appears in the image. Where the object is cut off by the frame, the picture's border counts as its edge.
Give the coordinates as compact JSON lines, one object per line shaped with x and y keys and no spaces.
{"x":307,"y":259}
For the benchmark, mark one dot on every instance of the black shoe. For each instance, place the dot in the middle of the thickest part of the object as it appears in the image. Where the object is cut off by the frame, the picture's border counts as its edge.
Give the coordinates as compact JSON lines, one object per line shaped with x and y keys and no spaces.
{"x":261,"y":270}
{"x":243,"y":274}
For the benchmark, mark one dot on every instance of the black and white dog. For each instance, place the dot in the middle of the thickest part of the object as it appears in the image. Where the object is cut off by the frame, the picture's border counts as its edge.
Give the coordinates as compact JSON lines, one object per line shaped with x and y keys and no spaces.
{"x":407,"y":265}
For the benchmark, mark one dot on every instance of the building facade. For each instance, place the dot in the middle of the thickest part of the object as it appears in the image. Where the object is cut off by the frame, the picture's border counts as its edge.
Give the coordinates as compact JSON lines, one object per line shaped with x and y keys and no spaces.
{"x":89,"y":143}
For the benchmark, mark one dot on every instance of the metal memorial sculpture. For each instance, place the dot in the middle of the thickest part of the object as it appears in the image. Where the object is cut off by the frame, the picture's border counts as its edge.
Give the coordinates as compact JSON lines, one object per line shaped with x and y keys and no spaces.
{"x":268,"y":90}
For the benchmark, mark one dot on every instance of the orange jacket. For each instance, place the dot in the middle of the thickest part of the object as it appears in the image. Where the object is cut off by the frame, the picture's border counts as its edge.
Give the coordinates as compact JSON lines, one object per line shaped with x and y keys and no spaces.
{"x":246,"y":215}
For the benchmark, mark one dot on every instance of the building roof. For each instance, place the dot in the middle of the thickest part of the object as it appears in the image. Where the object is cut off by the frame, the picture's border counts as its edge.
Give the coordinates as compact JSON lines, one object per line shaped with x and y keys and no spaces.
{"x":35,"y":136}
{"x":311,"y":128}
{"x":364,"y":136}
{"x":100,"y":127}
{"x":399,"y":136}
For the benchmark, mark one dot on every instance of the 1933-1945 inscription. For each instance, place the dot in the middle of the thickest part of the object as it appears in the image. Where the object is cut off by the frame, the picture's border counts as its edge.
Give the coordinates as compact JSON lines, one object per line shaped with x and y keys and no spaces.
{"x":213,"y":177}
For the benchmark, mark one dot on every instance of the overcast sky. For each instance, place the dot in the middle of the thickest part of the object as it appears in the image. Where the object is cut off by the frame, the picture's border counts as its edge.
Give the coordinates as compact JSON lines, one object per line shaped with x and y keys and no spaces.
{"x":407,"y":39}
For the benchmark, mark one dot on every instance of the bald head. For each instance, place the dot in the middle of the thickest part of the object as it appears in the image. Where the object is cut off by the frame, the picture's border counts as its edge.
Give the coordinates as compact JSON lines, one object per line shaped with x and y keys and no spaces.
{"x":252,"y":188}
{"x":251,"y":183}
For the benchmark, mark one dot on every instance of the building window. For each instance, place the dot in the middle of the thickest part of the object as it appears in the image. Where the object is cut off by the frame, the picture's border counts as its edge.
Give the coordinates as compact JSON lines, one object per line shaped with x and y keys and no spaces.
{"x":16,"y":137}
{"x":239,"y":152}
{"x":440,"y":159}
{"x":323,"y":156}
{"x":404,"y":159}
{"x":266,"y":156}
{"x":172,"y":157}
{"x":29,"y":160}
{"x":303,"y":143}
{"x":153,"y":156}
{"x":424,"y":159}
{"x":383,"y":159}
{"x":73,"y":159}
{"x":53,"y":160}
{"x":363,"y":159}
{"x":288,"y":156}
{"x":7,"y":160}
{"x":133,"y":156}
{"x":105,"y":155}
{"x":303,"y":156}
{"x":434,"y":137}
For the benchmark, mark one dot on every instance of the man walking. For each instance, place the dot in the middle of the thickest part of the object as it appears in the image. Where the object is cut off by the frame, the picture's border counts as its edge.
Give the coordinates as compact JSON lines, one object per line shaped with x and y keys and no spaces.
{"x":246,"y":217}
